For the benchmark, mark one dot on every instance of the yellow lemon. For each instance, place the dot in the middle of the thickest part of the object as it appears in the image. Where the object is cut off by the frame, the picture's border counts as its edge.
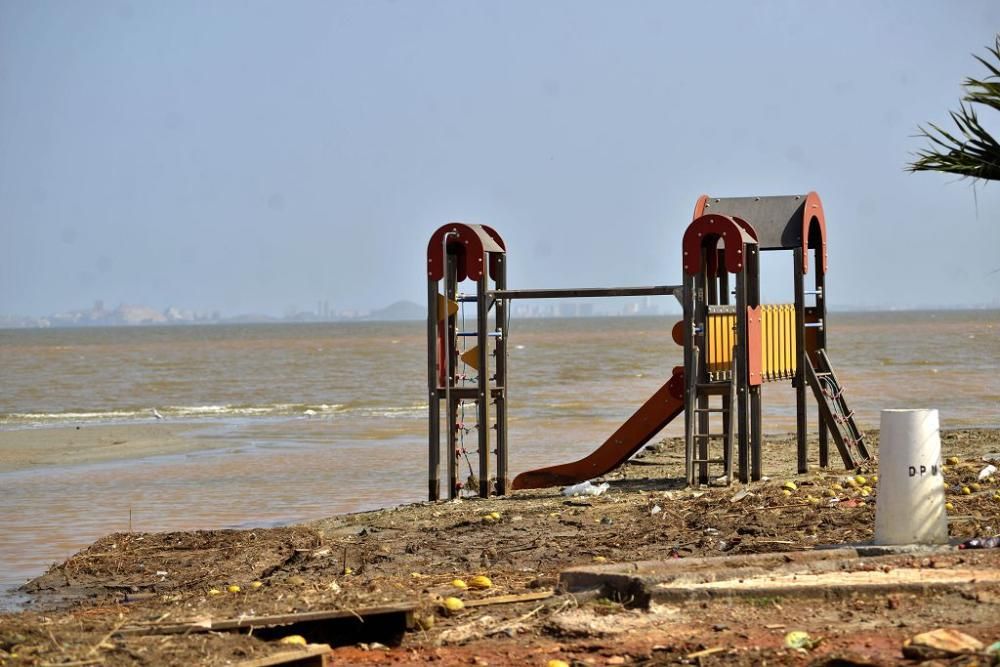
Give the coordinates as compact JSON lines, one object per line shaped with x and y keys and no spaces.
{"x":786,"y":492}
{"x":295,"y":640}
{"x":952,"y":460}
{"x":790,"y":486}
{"x":495,"y":515}
{"x":214,"y":591}
{"x":949,"y":506}
{"x":557,"y":663}
{"x":480,"y":582}
{"x":966,"y":491}
{"x":458,"y":583}
{"x":233,"y":588}
{"x":860,"y":479}
{"x":600,"y":559}
{"x":453,"y":604}
{"x":256,"y":584}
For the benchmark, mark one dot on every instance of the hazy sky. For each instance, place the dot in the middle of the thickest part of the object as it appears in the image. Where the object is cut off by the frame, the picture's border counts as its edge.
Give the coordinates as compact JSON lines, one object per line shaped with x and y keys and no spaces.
{"x":254,"y":156}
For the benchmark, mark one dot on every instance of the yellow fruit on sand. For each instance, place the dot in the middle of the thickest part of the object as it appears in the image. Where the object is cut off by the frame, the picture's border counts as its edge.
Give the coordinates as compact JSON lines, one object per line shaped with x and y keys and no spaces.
{"x":557,"y":663}
{"x":453,"y":604}
{"x":949,"y":506}
{"x":233,"y":588}
{"x":966,"y":491}
{"x":458,"y":583}
{"x":214,"y":591}
{"x":256,"y":584}
{"x":495,"y":515}
{"x":952,"y":460}
{"x":860,"y":479}
{"x":295,"y":640}
{"x":480,"y":582}
{"x":791,"y":486}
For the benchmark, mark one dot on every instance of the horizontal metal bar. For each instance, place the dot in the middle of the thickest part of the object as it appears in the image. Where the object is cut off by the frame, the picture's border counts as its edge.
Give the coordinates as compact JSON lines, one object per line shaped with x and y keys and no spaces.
{"x":491,"y":334}
{"x":814,"y":325}
{"x":587,"y":292}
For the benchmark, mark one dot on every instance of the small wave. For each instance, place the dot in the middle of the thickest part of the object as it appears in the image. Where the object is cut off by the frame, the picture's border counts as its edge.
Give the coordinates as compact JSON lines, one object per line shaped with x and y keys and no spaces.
{"x":178,"y":412}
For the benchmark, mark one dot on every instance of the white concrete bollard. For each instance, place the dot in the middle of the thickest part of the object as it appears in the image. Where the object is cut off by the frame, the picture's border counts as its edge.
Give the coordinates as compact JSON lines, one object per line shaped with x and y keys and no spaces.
{"x":909,"y":508}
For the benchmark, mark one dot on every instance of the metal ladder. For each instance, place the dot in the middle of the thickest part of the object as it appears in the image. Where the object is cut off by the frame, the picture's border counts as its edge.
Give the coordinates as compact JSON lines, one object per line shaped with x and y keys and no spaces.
{"x":708,"y":429}
{"x":834,"y":412}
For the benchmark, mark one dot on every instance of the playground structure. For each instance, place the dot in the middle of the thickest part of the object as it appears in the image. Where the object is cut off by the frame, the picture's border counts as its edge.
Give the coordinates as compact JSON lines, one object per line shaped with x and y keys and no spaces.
{"x":732,"y":343}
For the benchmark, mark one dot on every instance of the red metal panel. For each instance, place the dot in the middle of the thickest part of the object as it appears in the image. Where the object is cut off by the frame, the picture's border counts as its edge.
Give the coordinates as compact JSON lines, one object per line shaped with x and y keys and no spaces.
{"x":754,"y":346}
{"x":813,"y":211}
{"x":710,"y":229}
{"x":468,"y":243}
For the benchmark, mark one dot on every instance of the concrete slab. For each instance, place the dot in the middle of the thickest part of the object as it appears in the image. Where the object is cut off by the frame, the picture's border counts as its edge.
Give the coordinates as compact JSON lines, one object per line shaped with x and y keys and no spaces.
{"x":819,"y":573}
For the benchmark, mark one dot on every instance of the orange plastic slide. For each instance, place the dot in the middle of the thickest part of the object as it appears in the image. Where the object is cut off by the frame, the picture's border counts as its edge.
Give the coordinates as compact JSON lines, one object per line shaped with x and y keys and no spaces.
{"x":648,"y":420}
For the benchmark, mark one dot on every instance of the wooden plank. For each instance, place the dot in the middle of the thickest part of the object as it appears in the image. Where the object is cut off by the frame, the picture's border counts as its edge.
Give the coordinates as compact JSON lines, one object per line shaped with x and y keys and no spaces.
{"x":510,"y":599}
{"x":312,"y":655}
{"x":247,"y":622}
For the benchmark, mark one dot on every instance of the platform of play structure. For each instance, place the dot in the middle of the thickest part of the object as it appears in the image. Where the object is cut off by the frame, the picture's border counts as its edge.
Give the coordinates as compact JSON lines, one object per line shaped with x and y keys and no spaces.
{"x":732,"y":343}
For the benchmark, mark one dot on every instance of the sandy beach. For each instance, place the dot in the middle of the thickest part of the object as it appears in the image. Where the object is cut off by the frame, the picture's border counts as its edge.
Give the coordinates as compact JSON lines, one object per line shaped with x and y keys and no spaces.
{"x":78,"y":445}
{"x":123,"y":598}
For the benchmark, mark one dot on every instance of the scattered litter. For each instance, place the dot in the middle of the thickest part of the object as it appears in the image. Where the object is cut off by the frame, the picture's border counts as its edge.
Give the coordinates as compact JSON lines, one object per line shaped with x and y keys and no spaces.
{"x":987,"y":471}
{"x":800,"y":639}
{"x":656,"y":509}
{"x":740,"y":495}
{"x":940,"y":643}
{"x":585,"y":489}
{"x":993,"y":648}
{"x":981,"y":543}
{"x":705,"y":652}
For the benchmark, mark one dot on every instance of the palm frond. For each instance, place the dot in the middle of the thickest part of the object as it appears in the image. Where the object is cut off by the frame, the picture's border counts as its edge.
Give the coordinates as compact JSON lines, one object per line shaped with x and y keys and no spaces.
{"x":971,"y":151}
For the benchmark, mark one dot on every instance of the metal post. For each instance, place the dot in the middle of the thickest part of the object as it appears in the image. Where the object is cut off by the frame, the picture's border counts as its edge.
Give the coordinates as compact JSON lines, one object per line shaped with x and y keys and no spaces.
{"x":451,"y":361}
{"x":706,"y":286}
{"x":500,"y":282}
{"x":742,"y":377}
{"x":752,"y":272}
{"x":800,"y":365}
{"x":434,"y":403}
{"x":821,"y":338}
{"x":690,"y":377}
{"x":482,"y":313}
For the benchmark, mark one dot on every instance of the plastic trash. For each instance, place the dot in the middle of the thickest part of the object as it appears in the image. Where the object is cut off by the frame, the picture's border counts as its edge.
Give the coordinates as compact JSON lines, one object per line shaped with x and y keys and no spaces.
{"x":586,"y":489}
{"x":981,"y":543}
{"x":987,"y":471}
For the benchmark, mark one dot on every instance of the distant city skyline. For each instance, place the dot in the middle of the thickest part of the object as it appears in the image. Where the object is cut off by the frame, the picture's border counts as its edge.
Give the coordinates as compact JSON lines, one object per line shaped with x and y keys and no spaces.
{"x":270,"y":157}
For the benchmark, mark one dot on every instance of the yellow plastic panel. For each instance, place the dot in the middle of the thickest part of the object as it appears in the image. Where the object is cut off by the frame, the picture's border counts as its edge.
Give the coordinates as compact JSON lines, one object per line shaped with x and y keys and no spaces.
{"x":471,"y":357}
{"x":452,"y":307}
